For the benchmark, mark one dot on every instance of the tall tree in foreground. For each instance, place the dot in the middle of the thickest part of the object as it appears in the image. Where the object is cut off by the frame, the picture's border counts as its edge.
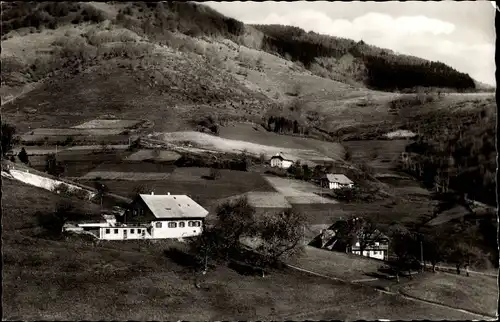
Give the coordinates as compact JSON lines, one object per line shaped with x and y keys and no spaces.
{"x":280,"y":235}
{"x":276,"y":236}
{"x":102,"y":190}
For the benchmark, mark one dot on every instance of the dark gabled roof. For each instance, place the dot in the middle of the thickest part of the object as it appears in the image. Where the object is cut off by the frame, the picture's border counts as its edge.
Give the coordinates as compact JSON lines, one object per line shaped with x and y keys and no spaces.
{"x":340,"y":178}
{"x":284,"y":157}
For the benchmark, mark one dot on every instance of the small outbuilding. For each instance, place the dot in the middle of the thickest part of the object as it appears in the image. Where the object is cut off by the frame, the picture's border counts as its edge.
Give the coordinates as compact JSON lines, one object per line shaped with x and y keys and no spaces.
{"x":336,"y":181}
{"x":281,"y":160}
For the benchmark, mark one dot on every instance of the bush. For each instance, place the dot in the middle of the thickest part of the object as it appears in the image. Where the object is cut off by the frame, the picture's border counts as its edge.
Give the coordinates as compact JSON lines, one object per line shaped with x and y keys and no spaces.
{"x":214,"y":174}
{"x":102,"y":37}
{"x":90,"y":13}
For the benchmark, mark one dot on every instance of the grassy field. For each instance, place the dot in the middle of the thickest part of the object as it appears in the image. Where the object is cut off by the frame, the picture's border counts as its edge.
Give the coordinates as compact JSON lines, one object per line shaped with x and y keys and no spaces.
{"x":79,"y":162}
{"x":298,"y":192}
{"x":191,"y":181}
{"x":135,"y":167}
{"x":475,"y":293}
{"x":107,"y":124}
{"x":132,"y":176}
{"x":237,"y":146}
{"x":41,"y":132}
{"x":379,"y":154}
{"x":257,"y":134}
{"x":64,"y":280}
{"x":387,"y":212}
{"x":159,"y":156}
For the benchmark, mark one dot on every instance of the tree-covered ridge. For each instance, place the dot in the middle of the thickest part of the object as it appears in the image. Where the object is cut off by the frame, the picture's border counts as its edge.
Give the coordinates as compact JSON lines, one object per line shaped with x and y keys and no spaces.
{"x":158,"y":19}
{"x":386,"y":70}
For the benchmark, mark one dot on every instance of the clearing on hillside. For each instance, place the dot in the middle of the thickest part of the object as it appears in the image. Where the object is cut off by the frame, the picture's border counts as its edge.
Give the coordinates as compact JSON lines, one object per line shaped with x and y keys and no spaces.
{"x":208,"y":141}
{"x":382,"y":155}
{"x":117,"y":175}
{"x":107,"y":124}
{"x":156,"y":155}
{"x":257,"y":134}
{"x":72,"y":131}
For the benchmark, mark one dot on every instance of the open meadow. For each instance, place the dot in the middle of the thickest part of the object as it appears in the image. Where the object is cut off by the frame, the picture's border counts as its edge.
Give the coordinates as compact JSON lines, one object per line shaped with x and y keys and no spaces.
{"x":216,"y":143}
{"x":379,"y":154}
{"x":194,"y":182}
{"x":257,"y":134}
{"x":78,"y":162}
{"x":298,"y":192}
{"x":477,"y":293}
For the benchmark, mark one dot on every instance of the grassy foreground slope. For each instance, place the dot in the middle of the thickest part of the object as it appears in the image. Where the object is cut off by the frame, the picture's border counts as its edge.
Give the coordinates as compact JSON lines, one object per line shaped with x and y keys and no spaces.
{"x":67,"y":280}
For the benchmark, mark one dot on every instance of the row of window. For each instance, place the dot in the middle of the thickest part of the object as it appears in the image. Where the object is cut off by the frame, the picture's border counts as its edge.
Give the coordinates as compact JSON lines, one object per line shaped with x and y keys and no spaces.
{"x":132,"y":231}
{"x":180,"y":224}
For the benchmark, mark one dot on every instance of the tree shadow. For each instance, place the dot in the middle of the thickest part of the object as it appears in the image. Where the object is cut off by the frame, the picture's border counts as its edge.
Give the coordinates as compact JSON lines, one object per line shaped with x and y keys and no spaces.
{"x":182,"y":258}
{"x":246,"y":269}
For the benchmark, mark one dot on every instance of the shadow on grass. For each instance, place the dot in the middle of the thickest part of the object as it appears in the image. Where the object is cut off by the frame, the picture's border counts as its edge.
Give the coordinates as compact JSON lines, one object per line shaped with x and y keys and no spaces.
{"x":182,"y":258}
{"x":246,"y":269}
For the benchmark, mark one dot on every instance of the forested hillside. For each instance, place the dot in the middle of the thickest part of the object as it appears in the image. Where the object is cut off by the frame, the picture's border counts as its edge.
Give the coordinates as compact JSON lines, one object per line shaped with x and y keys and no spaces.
{"x":386,"y":70}
{"x":457,"y":151}
{"x":377,"y":68}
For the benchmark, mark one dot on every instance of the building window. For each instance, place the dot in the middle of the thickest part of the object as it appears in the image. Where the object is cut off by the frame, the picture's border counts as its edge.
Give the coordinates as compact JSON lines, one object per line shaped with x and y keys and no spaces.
{"x":108,"y":231}
{"x":375,"y":252}
{"x":190,"y":224}
{"x":182,"y":224}
{"x":132,"y":231}
{"x":138,"y":231}
{"x":172,"y":224}
{"x":116,"y":231}
{"x":197,"y":223}
{"x":158,"y":225}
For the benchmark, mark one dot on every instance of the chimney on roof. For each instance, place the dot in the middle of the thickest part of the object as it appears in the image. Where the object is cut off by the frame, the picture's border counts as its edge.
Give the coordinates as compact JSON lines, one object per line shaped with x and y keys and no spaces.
{"x":152,"y":193}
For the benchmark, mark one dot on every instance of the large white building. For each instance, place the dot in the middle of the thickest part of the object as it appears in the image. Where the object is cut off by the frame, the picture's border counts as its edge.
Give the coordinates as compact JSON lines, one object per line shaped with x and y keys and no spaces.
{"x":149,"y":217}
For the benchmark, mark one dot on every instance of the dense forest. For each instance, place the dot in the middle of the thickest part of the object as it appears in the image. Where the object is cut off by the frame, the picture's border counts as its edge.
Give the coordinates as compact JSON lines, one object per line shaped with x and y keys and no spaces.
{"x":17,"y":15}
{"x":189,"y":18}
{"x":386,"y":70}
{"x":457,"y":152}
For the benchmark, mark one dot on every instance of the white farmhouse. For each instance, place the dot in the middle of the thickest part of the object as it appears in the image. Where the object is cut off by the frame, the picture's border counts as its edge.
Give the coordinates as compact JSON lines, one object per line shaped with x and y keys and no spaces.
{"x":149,"y":217}
{"x":336,"y":181}
{"x":281,"y":161}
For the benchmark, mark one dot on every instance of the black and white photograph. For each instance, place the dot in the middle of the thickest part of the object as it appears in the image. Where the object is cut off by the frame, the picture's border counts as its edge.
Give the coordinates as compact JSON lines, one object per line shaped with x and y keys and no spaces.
{"x":249,"y":161}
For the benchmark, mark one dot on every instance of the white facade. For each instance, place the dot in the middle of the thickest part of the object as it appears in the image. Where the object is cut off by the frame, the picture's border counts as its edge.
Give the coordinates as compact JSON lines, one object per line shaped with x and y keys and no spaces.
{"x":124,"y":233}
{"x":378,"y":254}
{"x":157,"y":230}
{"x":336,"y":185}
{"x":377,"y":251}
{"x":176,"y":228}
{"x":278,"y":162}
